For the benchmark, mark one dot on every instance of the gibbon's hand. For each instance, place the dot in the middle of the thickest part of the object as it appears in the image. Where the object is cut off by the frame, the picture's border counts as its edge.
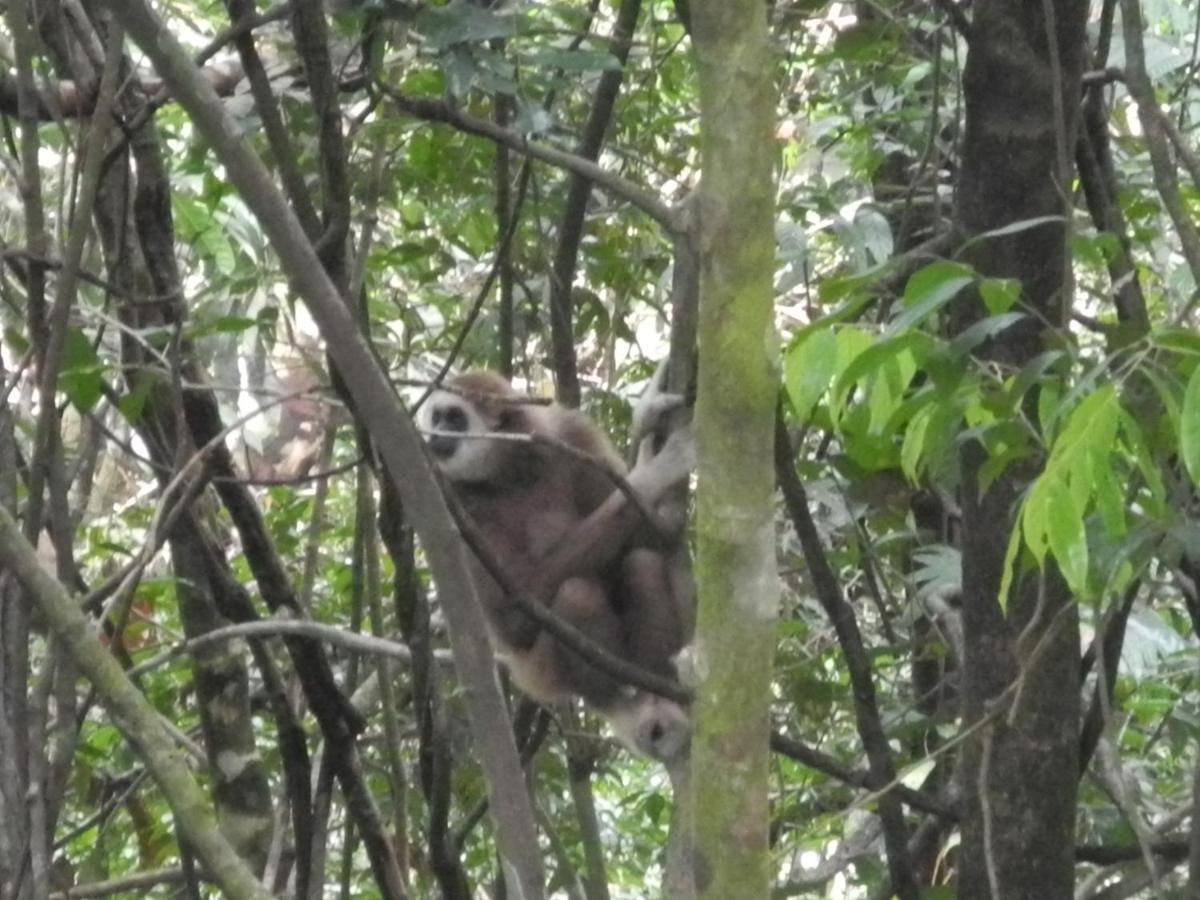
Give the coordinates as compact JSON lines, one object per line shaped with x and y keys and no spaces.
{"x":650,"y":411}
{"x":654,"y":475}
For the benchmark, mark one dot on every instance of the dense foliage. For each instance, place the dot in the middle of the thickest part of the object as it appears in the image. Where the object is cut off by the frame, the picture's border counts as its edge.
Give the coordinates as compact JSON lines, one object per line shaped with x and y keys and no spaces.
{"x":136,"y":333}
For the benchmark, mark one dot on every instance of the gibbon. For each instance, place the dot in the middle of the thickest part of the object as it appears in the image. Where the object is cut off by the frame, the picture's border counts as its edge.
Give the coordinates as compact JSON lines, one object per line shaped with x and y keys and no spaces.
{"x":562,"y":533}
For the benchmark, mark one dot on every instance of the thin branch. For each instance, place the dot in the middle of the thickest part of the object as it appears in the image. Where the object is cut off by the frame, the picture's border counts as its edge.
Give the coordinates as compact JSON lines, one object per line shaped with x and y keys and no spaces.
{"x":438,"y":111}
{"x":132,"y":714}
{"x":1151,"y":116}
{"x":858,"y":662}
{"x":826,"y":764}
{"x":338,"y":637}
{"x":579,"y":189}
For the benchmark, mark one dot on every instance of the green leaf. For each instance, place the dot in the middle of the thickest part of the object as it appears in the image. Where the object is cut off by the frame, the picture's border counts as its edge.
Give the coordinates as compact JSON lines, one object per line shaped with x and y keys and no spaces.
{"x":1035,"y":515}
{"x":133,"y":404}
{"x":1110,"y":500}
{"x":1010,"y":565}
{"x":913,"y":446}
{"x":572,"y":60}
{"x":972,"y":337}
{"x":1178,"y":339}
{"x":461,"y":21}
{"x":851,"y":343}
{"x":808,"y":368}
{"x":1031,"y":373}
{"x":1092,"y":424}
{"x":1189,"y":426}
{"x":928,"y":290}
{"x":1146,"y":463}
{"x":999,"y":294}
{"x":1012,"y":228}
{"x":81,"y":375}
{"x":1068,"y":538}
{"x":916,"y":345}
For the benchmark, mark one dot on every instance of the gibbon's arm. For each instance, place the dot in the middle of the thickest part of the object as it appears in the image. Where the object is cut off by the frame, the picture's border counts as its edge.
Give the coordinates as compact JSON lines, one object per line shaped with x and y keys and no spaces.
{"x":602,"y":537}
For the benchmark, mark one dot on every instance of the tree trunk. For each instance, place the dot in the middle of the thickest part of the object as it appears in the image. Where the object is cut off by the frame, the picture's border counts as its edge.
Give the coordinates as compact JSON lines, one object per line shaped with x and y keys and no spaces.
{"x":1021,"y":681}
{"x":734,"y":426}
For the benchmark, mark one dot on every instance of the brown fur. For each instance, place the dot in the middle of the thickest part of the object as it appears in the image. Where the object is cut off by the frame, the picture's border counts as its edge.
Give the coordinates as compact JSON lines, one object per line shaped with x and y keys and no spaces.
{"x":528,"y":500}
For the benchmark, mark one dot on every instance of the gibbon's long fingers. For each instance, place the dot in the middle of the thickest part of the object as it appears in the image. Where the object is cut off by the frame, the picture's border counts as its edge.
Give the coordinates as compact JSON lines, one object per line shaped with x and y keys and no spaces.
{"x":672,"y":465}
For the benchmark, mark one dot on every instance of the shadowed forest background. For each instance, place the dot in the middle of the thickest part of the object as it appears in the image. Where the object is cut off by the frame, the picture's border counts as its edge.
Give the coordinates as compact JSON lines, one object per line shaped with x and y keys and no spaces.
{"x":942,"y":273}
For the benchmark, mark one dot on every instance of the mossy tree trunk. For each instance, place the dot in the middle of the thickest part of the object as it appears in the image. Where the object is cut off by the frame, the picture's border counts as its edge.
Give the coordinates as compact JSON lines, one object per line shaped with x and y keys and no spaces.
{"x":734,"y":425}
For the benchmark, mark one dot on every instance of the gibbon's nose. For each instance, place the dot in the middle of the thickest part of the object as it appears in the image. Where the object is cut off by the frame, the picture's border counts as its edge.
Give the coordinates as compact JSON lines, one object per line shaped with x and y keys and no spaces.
{"x":443,"y":446}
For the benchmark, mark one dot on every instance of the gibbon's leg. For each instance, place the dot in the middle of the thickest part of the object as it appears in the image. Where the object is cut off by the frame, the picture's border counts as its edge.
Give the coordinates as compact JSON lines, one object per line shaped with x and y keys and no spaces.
{"x":657,"y":624}
{"x":559,"y":672}
{"x":598,"y":541}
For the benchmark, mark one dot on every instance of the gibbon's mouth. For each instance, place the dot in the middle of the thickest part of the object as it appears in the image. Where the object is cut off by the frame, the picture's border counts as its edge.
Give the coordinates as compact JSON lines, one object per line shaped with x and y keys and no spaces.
{"x":442,"y":446}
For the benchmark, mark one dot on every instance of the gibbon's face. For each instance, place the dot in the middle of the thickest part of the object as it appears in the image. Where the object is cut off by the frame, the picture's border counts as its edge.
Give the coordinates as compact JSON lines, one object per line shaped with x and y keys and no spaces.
{"x":454,"y":431}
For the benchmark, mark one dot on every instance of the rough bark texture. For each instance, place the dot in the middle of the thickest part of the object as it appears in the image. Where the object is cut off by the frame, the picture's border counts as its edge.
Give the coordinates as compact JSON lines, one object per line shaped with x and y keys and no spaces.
{"x":734,"y":417}
{"x":1020,"y":768}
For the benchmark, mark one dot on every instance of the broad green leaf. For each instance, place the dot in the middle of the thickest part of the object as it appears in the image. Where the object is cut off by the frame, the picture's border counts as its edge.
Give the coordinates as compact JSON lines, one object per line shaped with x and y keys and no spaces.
{"x":1035,"y":515}
{"x":996,"y":465}
{"x":1092,"y":424}
{"x":928,"y":290}
{"x":1078,"y":475}
{"x":913,"y":446}
{"x":999,"y":294}
{"x":133,"y":404}
{"x":1168,"y":396}
{"x":1012,"y":228}
{"x":808,"y":368}
{"x":1031,"y":373}
{"x":1068,"y":538}
{"x":1146,"y":463}
{"x":1010,"y":565}
{"x":875,"y":357}
{"x":886,"y":390}
{"x":1049,"y":399}
{"x":1110,"y":500}
{"x":851,"y":343}
{"x":81,"y":375}
{"x":1179,"y":340}
{"x":972,"y":337}
{"x":1189,"y":426}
